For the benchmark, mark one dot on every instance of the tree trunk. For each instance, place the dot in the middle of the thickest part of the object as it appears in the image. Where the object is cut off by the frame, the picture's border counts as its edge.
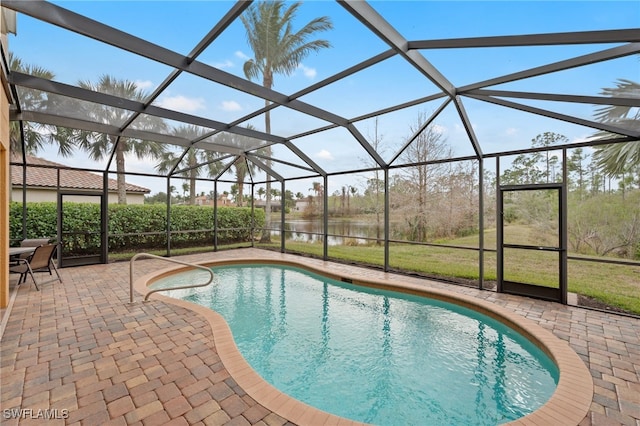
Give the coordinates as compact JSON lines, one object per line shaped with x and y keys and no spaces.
{"x":192,"y":187}
{"x":266,"y":233}
{"x":122,"y":184}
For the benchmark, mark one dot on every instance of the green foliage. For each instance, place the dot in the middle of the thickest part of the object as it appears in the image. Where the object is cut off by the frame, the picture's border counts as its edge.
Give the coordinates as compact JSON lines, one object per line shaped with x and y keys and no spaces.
{"x":41,"y":220}
{"x":134,"y":227}
{"x":605,"y":225}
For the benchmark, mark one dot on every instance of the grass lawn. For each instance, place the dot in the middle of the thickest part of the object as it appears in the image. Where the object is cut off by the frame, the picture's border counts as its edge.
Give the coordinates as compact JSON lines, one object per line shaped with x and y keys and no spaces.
{"x":616,"y":285}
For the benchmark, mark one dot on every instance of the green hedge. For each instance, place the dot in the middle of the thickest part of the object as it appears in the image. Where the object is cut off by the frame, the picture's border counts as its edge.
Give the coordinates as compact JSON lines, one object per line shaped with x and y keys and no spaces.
{"x":134,"y":227}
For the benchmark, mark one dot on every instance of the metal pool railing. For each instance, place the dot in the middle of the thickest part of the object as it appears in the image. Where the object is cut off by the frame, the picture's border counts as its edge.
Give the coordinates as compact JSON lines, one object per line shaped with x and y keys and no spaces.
{"x":153,"y":256}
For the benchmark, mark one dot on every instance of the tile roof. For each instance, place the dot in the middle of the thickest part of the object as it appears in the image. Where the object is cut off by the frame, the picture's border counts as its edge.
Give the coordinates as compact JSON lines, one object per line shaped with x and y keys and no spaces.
{"x":46,"y":177}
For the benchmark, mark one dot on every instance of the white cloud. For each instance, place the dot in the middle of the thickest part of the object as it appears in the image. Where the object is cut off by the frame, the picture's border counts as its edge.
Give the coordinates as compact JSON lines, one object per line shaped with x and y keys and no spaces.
{"x":511,"y":131}
{"x":324,"y":154}
{"x":144,"y":84}
{"x":231,"y":106}
{"x":224,"y":64}
{"x":437,"y":128}
{"x":241,"y":55}
{"x":182,"y":103}
{"x":308,"y":72}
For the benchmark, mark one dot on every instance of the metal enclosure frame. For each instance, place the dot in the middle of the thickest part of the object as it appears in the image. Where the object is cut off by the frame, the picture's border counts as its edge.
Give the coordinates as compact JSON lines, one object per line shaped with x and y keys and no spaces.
{"x":525,"y":289}
{"x":623,"y":42}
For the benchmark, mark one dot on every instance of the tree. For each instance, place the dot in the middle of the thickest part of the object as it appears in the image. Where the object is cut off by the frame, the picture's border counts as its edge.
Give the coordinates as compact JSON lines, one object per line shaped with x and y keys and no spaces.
{"x":159,"y":198}
{"x":277,"y":49}
{"x":101,"y":145}
{"x":194,"y":163}
{"x":374,"y":190}
{"x":614,"y":158}
{"x":575,"y":164}
{"x":546,"y":140}
{"x":234,"y":193}
{"x":429,"y":145}
{"x":242,"y":169}
{"x":36,"y":135}
{"x":185,"y":190}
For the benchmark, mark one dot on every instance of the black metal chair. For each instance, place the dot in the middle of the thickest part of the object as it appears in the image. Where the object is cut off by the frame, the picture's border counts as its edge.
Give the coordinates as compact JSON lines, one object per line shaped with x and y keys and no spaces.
{"x":40,"y":261}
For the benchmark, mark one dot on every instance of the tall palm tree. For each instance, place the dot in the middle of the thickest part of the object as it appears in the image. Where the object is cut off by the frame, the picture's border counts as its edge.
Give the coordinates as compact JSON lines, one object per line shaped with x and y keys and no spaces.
{"x":278,"y":49}
{"x":242,"y":168}
{"x":101,"y":145}
{"x":616,"y":159}
{"x":192,"y":158}
{"x":36,"y":135}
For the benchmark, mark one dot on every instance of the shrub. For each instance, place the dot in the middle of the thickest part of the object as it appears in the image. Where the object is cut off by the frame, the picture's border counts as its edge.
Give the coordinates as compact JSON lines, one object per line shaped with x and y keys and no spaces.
{"x":133,"y":227}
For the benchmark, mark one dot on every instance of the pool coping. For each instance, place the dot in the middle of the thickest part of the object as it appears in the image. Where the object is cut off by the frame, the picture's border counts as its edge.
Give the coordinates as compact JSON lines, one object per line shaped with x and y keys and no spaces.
{"x":568,"y":405}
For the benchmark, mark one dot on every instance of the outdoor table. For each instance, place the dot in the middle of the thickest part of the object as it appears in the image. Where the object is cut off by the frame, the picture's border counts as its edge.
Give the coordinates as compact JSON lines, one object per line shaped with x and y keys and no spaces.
{"x":15,"y":251}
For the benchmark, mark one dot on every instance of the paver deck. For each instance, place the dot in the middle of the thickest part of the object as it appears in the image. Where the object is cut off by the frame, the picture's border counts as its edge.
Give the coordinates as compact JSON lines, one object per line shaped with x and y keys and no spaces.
{"x":79,"y":351}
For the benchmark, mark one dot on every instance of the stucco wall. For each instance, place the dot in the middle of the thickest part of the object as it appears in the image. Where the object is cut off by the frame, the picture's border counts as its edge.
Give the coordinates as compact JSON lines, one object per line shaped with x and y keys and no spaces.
{"x":35,"y":195}
{"x":4,"y":197}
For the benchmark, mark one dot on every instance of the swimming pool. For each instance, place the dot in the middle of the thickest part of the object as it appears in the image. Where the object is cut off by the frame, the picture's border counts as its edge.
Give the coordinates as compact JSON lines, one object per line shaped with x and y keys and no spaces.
{"x":391,"y":378}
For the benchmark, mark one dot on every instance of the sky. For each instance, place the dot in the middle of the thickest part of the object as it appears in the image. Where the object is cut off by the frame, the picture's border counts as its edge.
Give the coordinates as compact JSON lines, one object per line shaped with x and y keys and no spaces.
{"x":179,"y":26}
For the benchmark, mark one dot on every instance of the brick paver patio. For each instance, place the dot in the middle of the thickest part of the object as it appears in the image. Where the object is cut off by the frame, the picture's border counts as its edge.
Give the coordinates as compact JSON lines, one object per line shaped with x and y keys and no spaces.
{"x":80,"y":352}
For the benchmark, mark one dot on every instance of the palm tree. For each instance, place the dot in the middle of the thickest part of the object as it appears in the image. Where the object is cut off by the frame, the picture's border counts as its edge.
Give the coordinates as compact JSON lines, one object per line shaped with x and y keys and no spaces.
{"x":277,"y":49}
{"x":616,"y":159}
{"x":101,"y":145}
{"x":242,"y":168}
{"x":36,"y":135}
{"x":317,"y":188}
{"x":191,"y":160}
{"x":261,"y":192}
{"x":241,"y":165}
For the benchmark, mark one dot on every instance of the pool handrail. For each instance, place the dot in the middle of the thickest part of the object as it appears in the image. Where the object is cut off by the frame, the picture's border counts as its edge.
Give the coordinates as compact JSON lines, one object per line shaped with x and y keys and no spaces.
{"x":168,"y":259}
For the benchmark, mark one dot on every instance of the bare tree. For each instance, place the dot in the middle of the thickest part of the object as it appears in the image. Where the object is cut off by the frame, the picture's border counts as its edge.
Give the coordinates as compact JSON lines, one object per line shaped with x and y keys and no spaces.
{"x":422,"y":174}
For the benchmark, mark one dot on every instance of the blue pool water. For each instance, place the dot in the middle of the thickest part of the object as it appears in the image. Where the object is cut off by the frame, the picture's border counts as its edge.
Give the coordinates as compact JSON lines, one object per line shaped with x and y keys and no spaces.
{"x":375,"y":356}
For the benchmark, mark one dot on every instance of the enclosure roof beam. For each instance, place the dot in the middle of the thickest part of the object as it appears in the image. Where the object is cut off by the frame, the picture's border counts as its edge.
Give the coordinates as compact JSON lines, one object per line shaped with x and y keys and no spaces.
{"x":378,"y":25}
{"x":398,"y":107}
{"x":226,"y":167}
{"x":206,"y":163}
{"x":304,"y":157}
{"x":347,"y":72}
{"x":359,"y":67}
{"x":604,"y":55}
{"x":598,"y":100}
{"x":92,"y":126}
{"x":33,"y":82}
{"x":286,"y":163}
{"x":563,"y":117}
{"x":367,"y":146}
{"x":549,"y":39}
{"x":255,"y":160}
{"x":466,"y":122}
{"x":226,"y":20}
{"x":210,"y":146}
{"x":420,"y":130}
{"x":64,"y":18}
{"x":373,"y":114}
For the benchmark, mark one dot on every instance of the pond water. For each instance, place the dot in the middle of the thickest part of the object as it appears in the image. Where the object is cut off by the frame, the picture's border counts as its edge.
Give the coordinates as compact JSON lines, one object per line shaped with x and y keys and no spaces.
{"x":340,"y":230}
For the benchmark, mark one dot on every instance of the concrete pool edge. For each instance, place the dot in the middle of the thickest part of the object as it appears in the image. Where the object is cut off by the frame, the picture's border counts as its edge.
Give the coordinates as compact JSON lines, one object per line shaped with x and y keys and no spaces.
{"x":569,"y":404}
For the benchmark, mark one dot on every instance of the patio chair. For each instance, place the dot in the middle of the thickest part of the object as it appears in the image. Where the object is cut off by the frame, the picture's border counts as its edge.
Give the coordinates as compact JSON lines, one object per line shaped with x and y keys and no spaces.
{"x":40,"y":261}
{"x":29,"y":242}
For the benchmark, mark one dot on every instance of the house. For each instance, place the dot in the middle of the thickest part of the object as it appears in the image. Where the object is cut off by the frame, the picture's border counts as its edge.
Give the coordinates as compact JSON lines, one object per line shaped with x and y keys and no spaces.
{"x":223,"y":201}
{"x":302,"y":205}
{"x":42,"y":183}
